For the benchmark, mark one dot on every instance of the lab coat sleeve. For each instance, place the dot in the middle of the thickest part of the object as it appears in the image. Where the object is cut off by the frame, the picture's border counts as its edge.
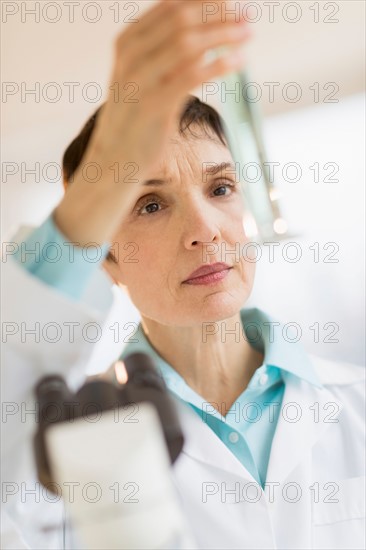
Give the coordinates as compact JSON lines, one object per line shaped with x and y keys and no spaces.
{"x":43,"y":332}
{"x":49,"y":255}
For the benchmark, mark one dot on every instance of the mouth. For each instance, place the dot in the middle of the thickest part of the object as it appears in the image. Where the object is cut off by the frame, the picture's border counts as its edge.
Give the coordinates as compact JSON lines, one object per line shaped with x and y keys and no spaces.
{"x":208,"y":274}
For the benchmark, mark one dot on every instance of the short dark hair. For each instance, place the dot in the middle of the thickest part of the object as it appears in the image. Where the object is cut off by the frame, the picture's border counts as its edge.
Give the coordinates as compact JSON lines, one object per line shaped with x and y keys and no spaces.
{"x":194,"y":111}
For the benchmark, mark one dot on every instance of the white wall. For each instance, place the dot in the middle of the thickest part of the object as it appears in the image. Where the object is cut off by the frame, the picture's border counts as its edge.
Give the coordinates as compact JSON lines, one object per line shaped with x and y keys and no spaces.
{"x":307,"y":292}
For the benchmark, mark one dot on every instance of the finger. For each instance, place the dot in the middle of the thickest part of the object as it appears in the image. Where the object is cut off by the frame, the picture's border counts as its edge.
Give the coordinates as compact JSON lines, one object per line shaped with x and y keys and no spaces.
{"x":148,"y":20}
{"x":164,"y":63}
{"x":191,"y":77}
{"x":170,"y":34}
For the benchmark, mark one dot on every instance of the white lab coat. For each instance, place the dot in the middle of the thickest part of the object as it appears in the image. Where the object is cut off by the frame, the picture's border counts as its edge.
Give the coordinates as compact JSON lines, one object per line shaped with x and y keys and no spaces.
{"x":316,"y":458}
{"x":310,"y":463}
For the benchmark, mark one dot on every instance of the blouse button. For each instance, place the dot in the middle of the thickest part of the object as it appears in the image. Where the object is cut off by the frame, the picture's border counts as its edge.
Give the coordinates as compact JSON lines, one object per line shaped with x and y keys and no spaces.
{"x":233,"y":437}
{"x":263,"y":379}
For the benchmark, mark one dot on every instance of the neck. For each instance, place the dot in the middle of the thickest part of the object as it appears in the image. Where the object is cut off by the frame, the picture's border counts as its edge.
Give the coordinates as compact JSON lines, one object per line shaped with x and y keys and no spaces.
{"x":214,"y":359}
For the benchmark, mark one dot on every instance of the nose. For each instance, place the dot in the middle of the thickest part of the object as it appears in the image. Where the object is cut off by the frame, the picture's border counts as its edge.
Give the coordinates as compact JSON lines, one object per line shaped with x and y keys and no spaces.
{"x":199,"y":225}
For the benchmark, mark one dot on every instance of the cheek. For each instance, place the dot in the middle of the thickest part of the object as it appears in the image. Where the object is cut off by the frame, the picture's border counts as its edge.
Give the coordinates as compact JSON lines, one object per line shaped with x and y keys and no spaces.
{"x":234,"y":233}
{"x":245,"y":250}
{"x":148,"y":280}
{"x":146,"y":267}
{"x":249,"y":272}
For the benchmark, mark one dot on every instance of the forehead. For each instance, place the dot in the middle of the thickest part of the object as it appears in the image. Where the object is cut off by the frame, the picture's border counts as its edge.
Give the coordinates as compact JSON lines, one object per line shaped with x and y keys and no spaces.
{"x":193,"y":151}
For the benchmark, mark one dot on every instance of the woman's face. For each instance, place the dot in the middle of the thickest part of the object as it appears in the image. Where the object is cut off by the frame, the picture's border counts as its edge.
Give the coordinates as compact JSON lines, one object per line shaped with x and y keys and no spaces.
{"x":190,"y":219}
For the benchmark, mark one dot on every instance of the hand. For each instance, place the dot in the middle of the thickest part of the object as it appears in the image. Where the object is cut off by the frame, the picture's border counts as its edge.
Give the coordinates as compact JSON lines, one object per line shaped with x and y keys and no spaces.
{"x":163,"y":57}
{"x":160,"y":59}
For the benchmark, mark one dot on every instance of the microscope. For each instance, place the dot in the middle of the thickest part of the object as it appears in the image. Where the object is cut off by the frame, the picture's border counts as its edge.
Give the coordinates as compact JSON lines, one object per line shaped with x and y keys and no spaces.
{"x":108,"y":450}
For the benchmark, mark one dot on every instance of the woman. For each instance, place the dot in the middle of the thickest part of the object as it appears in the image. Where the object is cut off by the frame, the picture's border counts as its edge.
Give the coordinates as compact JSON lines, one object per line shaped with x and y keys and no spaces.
{"x":244,"y":389}
{"x":234,"y":367}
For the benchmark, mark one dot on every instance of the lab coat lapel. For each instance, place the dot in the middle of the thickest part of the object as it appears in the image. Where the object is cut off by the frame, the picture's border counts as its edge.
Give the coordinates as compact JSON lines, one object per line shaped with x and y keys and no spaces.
{"x":201,"y":443}
{"x":307,"y":404}
{"x":292,"y":440}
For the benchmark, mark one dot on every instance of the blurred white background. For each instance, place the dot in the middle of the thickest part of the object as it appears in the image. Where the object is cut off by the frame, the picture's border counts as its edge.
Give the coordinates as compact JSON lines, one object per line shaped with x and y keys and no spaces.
{"x":305,"y":132}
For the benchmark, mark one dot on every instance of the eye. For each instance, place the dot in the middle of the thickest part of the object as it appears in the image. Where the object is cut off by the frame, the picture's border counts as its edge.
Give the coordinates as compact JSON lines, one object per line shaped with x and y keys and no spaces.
{"x":151,"y":205}
{"x":225,"y":184}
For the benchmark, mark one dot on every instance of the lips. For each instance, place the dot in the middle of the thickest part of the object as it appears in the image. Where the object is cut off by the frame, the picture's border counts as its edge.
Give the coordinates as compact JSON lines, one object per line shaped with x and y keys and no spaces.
{"x":207,"y":269}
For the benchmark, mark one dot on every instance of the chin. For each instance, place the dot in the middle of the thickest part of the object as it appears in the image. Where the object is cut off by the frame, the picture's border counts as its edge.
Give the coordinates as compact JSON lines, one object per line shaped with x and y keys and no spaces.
{"x":210,"y":309}
{"x":218,"y":308}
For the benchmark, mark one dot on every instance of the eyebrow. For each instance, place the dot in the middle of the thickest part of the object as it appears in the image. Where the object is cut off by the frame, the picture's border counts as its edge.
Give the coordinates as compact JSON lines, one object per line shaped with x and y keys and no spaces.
{"x":211,"y":170}
{"x":154,"y":182}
